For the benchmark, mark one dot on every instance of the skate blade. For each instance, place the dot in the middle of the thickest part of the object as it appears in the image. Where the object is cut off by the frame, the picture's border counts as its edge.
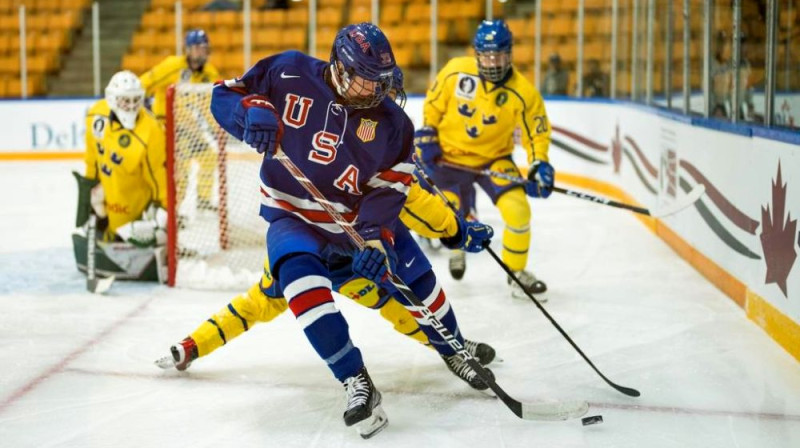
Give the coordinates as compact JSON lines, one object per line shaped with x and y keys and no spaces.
{"x":165,"y":363}
{"x":373,"y":424}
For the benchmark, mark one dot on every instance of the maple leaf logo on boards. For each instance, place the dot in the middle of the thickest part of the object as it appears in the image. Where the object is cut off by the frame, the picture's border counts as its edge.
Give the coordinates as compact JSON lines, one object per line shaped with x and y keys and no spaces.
{"x":777,"y":237}
{"x":616,"y":150}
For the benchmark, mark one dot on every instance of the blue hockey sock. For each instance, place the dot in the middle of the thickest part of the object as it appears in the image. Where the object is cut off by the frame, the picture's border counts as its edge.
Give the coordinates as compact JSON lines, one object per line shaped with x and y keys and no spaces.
{"x":306,"y":286}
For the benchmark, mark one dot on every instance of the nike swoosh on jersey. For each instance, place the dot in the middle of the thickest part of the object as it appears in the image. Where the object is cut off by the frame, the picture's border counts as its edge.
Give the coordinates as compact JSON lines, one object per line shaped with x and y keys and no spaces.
{"x":285,"y":76}
{"x":410,"y":261}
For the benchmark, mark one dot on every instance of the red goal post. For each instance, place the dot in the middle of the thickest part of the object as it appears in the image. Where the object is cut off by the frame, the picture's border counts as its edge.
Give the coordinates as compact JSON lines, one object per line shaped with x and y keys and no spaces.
{"x":215,"y":236}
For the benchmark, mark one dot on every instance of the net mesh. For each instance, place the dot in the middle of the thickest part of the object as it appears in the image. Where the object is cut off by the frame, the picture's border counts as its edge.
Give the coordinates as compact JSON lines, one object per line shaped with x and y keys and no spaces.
{"x":217,"y":240}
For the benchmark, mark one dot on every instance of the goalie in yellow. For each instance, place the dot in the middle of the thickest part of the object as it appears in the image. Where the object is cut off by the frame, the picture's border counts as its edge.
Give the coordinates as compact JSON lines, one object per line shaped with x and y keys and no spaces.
{"x":193,"y":67}
{"x":124,"y":184}
{"x":422,"y":213}
{"x":470,"y":115}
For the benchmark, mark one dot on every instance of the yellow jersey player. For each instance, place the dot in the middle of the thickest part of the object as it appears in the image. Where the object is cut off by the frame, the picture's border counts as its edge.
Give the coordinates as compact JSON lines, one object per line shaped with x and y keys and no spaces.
{"x":423,"y":213}
{"x":125,"y":180}
{"x":193,"y":67}
{"x":470,"y":115}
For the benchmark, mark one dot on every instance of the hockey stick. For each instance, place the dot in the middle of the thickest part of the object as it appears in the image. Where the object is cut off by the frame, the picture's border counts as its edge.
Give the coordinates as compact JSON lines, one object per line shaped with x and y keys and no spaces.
{"x":677,"y":206}
{"x":93,"y":283}
{"x":527,"y":411}
{"x":625,"y":390}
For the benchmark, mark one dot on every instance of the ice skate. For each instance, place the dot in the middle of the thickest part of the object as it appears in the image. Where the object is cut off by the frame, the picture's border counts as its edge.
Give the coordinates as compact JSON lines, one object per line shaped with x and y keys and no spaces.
{"x":363,"y":409}
{"x":533,"y":286}
{"x":181,"y":355}
{"x":462,"y":370}
{"x":483,"y":352}
{"x":458,"y":264}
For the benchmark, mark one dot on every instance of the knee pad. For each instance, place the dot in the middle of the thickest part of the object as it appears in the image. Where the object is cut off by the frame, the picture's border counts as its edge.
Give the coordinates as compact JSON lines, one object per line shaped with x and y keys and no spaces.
{"x":515,"y":210}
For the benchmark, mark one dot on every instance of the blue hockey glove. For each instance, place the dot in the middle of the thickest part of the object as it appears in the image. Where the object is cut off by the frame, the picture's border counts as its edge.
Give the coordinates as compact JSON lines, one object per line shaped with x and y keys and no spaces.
{"x":472,"y":236}
{"x":262,"y":124}
{"x":378,"y":260}
{"x":540,"y":179}
{"x":426,"y":141}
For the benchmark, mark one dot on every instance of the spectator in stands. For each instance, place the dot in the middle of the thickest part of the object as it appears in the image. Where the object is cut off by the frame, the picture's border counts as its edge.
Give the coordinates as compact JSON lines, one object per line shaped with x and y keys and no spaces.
{"x":720,"y":78}
{"x":556,"y":79}
{"x":746,"y":105}
{"x":595,"y":82}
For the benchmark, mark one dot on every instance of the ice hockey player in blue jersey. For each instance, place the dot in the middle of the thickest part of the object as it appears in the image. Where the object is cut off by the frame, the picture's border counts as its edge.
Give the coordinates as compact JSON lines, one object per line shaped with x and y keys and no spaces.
{"x":334,"y":121}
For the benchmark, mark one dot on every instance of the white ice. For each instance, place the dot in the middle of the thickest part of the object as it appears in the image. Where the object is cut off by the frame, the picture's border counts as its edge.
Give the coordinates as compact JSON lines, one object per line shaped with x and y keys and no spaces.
{"x":76,"y":370}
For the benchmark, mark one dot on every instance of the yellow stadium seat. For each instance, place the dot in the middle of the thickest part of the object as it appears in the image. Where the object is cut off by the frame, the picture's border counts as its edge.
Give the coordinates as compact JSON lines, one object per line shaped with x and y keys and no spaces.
{"x":329,"y":17}
{"x":360,"y":14}
{"x":391,"y":14}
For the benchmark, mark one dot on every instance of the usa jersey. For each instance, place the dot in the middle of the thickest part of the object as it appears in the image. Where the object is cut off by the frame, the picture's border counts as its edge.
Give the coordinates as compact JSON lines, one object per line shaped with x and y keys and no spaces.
{"x":358,"y":158}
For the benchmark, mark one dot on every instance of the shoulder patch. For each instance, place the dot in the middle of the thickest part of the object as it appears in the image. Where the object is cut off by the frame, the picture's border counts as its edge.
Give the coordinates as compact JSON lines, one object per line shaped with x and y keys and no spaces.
{"x":501,"y":99}
{"x":124,"y":140}
{"x":98,"y":126}
{"x":466,"y":85}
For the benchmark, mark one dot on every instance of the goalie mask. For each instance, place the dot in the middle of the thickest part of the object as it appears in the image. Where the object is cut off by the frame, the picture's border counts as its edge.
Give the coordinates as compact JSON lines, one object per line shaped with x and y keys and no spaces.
{"x":125,"y":97}
{"x":362,"y":64}
{"x":492,"y":45}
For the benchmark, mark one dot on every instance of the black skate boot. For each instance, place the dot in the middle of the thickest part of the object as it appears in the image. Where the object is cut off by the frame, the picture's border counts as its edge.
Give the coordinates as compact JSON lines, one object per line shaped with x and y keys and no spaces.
{"x":183,"y":353}
{"x":484,"y":353}
{"x":462,"y":370}
{"x":363,"y":405}
{"x":458,"y":264}
{"x":532,"y":285}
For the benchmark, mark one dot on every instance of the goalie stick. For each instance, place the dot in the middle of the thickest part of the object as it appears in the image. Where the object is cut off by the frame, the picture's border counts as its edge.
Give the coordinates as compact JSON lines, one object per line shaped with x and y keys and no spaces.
{"x":622,"y":389}
{"x":528,"y":411}
{"x":673,"y":208}
{"x":93,"y":284}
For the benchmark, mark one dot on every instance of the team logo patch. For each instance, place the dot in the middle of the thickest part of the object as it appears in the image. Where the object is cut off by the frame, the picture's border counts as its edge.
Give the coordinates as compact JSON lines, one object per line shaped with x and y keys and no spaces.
{"x":124,"y":140}
{"x":466,"y":86}
{"x":186,"y":75}
{"x":366,"y":130}
{"x":98,"y":125}
{"x":501,"y":99}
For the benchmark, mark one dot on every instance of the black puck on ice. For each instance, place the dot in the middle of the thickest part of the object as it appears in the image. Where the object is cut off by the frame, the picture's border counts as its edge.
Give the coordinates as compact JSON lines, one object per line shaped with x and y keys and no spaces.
{"x":592,"y":420}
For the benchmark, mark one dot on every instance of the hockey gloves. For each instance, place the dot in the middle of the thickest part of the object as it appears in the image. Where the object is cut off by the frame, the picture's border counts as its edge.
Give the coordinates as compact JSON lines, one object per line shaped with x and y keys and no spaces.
{"x":149,"y":231}
{"x":472,"y":236}
{"x":540,"y":179}
{"x":261,"y":122}
{"x":426,"y":141}
{"x":377,"y":261}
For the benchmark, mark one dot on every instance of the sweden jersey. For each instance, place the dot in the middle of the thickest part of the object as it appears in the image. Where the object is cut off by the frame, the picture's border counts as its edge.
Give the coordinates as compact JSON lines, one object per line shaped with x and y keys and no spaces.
{"x":476,"y":118}
{"x":172,"y":70}
{"x":130,"y":164}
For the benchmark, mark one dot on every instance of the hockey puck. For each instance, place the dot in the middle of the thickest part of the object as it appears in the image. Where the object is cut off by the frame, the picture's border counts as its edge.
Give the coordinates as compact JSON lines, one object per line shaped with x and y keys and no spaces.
{"x":592,"y":420}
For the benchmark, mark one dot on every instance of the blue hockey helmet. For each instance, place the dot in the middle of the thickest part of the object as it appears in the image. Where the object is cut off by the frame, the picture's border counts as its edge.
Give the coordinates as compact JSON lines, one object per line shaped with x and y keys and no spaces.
{"x":398,"y":90}
{"x":362,"y":63}
{"x":492,"y":45}
{"x":197,"y":49}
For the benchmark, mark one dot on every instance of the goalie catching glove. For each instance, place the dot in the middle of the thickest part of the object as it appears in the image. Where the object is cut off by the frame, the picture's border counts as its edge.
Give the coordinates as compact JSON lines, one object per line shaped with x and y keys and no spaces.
{"x":149,"y":231}
{"x":472,"y":236}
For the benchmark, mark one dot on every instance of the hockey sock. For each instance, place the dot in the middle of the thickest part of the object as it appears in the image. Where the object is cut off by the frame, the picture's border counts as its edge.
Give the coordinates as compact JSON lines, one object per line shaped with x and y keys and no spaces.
{"x":306,"y":286}
{"x":428,"y":289}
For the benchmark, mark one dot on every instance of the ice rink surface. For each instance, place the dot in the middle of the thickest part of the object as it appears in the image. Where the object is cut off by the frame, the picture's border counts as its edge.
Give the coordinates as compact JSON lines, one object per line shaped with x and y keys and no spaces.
{"x":77,"y":369}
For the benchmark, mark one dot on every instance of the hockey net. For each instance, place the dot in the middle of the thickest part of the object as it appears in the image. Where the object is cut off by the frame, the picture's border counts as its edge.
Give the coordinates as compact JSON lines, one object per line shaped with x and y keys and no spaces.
{"x":215,"y":238}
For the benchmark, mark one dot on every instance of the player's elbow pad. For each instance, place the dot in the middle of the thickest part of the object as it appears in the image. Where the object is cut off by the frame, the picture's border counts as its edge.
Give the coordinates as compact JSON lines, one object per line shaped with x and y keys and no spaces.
{"x":224,"y":102}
